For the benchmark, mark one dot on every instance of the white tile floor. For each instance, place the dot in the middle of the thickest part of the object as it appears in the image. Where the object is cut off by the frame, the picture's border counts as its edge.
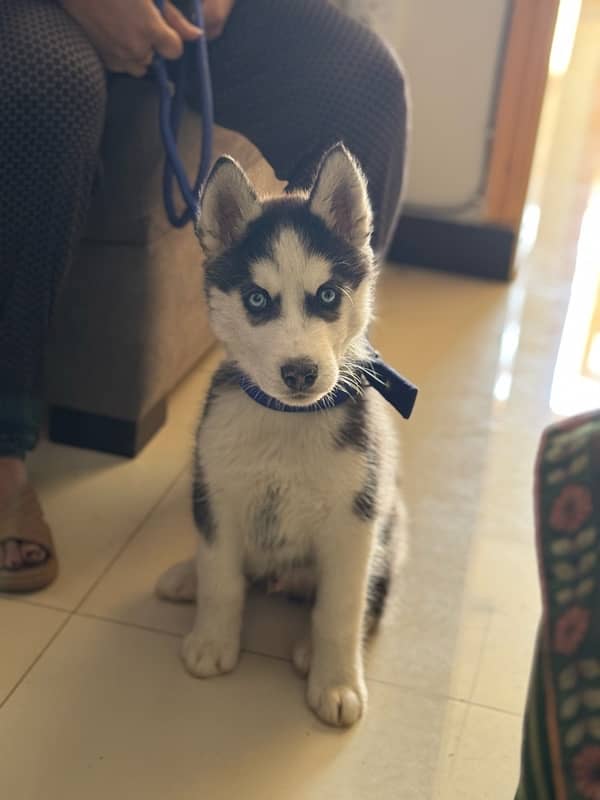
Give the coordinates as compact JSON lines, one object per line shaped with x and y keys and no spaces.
{"x":97,"y":702}
{"x":94,"y":702}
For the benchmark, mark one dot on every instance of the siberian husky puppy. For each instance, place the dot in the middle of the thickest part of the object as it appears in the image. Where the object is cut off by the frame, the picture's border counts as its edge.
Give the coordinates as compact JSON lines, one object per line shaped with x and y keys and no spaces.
{"x":291,"y":484}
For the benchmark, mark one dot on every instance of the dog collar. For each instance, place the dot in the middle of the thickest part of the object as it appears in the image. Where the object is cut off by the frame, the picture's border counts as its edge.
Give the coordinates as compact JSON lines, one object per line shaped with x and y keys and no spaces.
{"x":393,"y":387}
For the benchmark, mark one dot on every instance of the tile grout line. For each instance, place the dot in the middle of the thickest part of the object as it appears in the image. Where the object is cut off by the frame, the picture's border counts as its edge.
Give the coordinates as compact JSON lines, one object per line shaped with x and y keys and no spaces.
{"x":74,"y":612}
{"x":495,"y":709}
{"x":24,"y":675}
{"x":441,"y":696}
{"x":129,"y":540}
{"x":401,"y":686}
{"x":124,"y":623}
{"x":86,"y":615}
{"x":12,"y":598}
{"x":147,"y":629}
{"x":25,"y":599}
{"x":477,"y":670}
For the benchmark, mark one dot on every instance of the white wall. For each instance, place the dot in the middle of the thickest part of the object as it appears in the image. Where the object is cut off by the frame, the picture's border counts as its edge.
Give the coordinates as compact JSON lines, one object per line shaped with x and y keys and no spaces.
{"x":451,"y":50}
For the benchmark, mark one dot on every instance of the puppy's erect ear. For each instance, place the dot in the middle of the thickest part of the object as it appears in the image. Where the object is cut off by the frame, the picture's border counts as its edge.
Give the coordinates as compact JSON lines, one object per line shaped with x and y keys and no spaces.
{"x":228,"y":204}
{"x":339,"y":196}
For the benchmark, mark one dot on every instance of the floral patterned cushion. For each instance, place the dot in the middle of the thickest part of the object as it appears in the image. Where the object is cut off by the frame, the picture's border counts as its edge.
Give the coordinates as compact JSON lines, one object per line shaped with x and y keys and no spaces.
{"x":561,"y":742}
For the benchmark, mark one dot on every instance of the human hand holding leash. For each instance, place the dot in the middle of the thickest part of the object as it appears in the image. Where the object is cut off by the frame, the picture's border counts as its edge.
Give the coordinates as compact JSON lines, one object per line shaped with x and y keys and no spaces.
{"x":126,"y":34}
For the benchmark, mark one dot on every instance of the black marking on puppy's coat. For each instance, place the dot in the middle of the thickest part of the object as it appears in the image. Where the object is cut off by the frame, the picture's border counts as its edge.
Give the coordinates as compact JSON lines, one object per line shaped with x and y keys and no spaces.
{"x":354,"y":431}
{"x":267,"y":522}
{"x":314,"y":308}
{"x":228,"y":375}
{"x":364,"y":504}
{"x":271,"y":312}
{"x":231,"y":270}
{"x":378,"y":590}
{"x":387,"y":529}
{"x":380,"y":578}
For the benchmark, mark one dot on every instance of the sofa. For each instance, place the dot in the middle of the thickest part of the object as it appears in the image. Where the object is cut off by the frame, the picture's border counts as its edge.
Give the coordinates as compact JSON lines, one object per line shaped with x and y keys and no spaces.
{"x":131,"y":320}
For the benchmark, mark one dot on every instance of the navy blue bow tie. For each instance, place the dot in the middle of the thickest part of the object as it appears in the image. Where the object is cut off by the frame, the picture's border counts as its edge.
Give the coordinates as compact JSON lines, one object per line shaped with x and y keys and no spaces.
{"x":399,"y":392}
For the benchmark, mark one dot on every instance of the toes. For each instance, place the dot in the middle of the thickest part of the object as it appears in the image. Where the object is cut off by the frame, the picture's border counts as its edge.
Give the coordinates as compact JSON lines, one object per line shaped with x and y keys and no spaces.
{"x":178,"y":583}
{"x":12,"y":555}
{"x":15,"y":554}
{"x":338,"y":705}
{"x":301,"y":656}
{"x":205,"y":658}
{"x":32,"y":554}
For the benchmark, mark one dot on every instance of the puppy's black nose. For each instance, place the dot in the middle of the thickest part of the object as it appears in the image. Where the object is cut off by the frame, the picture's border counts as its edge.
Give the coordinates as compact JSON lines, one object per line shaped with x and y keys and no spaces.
{"x":299,"y":374}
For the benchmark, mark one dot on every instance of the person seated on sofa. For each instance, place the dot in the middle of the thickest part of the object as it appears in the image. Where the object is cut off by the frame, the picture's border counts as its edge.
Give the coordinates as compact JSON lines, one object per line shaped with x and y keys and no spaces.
{"x":293,"y":76}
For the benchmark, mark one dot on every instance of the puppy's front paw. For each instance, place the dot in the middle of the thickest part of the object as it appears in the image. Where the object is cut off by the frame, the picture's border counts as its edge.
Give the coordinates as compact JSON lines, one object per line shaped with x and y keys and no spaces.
{"x":205,"y":656}
{"x":178,"y":583}
{"x":337,"y":703}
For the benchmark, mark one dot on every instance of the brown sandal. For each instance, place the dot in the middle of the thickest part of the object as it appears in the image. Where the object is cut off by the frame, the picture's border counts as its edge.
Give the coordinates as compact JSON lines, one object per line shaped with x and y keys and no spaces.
{"x":22,"y":522}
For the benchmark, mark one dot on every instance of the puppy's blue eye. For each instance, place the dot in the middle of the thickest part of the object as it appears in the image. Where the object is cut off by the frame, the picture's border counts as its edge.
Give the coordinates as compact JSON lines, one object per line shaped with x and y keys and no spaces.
{"x":257,"y":300}
{"x":327,"y":295}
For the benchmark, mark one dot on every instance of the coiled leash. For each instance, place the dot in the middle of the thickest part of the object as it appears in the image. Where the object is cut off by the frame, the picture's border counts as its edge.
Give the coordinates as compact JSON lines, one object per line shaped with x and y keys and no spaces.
{"x":171,"y":106}
{"x":398,"y":391}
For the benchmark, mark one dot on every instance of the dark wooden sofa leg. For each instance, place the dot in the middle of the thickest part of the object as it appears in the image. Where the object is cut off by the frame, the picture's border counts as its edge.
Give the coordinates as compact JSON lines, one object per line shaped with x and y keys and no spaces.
{"x":122,"y":437}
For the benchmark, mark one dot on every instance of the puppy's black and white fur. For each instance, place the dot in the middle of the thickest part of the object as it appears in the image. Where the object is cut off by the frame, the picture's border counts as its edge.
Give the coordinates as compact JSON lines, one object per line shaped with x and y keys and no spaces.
{"x":307,"y":500}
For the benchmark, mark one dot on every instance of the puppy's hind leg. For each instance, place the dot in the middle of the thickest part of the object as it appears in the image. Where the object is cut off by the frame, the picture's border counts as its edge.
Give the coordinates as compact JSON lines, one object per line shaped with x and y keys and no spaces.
{"x":178,"y":583}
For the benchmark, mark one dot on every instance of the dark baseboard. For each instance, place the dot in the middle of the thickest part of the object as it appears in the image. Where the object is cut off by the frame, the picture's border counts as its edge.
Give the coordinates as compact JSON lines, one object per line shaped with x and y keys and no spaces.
{"x":482,"y":250}
{"x":121,"y":437}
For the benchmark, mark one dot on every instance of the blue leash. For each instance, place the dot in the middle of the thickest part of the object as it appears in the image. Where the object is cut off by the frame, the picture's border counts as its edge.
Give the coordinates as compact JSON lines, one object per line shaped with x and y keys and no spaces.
{"x":171,"y":112}
{"x":398,"y":391}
